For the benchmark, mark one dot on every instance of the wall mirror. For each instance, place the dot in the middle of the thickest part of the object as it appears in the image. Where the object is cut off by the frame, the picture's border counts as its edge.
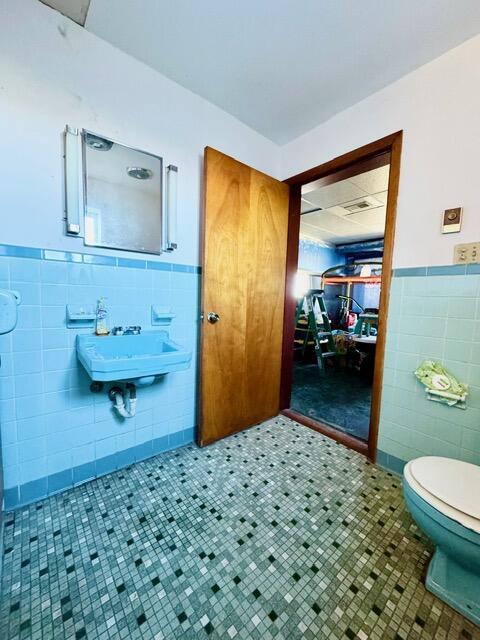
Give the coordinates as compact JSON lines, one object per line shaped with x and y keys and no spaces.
{"x":123,"y":196}
{"x":114,"y":195}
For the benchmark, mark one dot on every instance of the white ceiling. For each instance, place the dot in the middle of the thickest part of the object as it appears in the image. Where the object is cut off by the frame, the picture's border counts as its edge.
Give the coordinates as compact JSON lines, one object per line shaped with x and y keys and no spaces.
{"x":335,"y":224}
{"x":280,"y":66}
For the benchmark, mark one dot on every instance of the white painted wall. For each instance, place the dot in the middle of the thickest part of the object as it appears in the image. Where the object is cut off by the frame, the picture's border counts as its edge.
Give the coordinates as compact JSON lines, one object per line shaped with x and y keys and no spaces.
{"x":53,"y":72}
{"x":438,"y":108}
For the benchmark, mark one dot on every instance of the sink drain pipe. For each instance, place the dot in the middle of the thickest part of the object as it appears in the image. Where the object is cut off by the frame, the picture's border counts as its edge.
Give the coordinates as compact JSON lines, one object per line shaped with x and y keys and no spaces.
{"x":125,"y":402}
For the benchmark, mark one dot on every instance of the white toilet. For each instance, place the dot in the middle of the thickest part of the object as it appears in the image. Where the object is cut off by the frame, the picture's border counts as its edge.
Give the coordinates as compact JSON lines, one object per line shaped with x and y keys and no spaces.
{"x":443,"y":496}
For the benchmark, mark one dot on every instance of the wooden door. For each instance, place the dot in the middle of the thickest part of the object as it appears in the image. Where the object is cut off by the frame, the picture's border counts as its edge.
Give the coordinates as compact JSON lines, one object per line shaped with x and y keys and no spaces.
{"x":244,"y":257}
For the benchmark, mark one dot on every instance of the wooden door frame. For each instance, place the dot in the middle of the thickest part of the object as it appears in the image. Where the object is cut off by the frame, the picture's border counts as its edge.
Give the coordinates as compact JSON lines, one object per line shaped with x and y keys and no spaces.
{"x":347,"y":165}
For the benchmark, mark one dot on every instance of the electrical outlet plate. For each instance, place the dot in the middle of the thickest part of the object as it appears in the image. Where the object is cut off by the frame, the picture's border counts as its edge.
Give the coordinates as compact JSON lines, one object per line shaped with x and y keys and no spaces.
{"x":467,"y":253}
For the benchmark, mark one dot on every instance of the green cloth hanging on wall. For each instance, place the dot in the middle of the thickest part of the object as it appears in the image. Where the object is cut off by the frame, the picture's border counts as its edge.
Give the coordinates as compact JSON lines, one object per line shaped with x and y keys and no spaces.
{"x":442,"y":386}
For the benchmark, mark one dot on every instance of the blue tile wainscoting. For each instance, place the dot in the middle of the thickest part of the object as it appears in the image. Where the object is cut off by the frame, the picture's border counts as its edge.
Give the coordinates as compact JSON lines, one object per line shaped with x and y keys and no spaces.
{"x":55,"y":432}
{"x":434,"y":314}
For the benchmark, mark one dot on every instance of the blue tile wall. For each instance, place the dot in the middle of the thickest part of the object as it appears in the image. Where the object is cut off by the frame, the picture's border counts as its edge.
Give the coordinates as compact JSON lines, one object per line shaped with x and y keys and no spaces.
{"x":434,"y":314}
{"x":55,"y":432}
{"x":314,"y":256}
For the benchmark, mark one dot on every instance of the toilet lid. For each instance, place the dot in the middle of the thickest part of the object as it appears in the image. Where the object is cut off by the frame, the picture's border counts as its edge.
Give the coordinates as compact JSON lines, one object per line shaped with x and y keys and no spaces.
{"x":454,"y":483}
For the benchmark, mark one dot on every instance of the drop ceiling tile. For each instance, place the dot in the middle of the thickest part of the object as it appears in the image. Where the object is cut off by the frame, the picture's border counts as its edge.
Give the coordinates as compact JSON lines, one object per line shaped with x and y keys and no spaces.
{"x":306,"y":205}
{"x":311,"y":186}
{"x":335,"y":194}
{"x":372,"y":181}
{"x":373,"y":218}
{"x":332,"y":223}
{"x":382,"y":196}
{"x":309,"y":231}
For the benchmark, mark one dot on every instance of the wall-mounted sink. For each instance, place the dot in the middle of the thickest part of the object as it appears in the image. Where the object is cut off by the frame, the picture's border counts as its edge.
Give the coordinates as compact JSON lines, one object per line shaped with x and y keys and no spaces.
{"x":129,"y":357}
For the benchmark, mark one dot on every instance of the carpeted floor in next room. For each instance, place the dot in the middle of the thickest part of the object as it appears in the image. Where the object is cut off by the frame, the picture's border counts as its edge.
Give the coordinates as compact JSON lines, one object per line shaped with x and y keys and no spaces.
{"x":276,"y":532}
{"x":339,"y":397}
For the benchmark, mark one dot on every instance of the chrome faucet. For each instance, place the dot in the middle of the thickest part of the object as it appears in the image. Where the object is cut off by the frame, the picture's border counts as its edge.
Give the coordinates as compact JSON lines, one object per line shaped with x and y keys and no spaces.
{"x":133,"y":330}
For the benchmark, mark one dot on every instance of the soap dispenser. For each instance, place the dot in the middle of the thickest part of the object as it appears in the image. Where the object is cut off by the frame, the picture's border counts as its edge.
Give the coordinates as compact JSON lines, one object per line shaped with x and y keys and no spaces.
{"x":101,"y":321}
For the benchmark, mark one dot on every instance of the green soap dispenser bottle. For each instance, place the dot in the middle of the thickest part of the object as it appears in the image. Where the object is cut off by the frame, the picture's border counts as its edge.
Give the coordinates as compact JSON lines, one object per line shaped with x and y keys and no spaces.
{"x":101,"y":321}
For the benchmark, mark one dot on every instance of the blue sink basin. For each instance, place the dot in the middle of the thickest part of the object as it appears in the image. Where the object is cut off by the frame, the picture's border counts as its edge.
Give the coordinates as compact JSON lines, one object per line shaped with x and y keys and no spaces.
{"x":111,"y":358}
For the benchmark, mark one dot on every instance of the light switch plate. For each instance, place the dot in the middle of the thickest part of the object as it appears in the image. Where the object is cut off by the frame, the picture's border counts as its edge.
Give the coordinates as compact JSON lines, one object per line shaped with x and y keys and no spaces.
{"x":467,"y":253}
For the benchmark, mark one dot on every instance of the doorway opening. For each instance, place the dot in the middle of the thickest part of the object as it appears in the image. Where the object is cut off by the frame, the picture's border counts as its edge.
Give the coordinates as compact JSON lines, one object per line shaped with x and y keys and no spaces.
{"x":341,"y":231}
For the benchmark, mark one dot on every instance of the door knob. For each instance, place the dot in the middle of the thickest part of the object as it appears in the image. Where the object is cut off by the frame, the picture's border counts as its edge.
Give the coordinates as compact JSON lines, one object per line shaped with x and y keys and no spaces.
{"x":213,"y":317}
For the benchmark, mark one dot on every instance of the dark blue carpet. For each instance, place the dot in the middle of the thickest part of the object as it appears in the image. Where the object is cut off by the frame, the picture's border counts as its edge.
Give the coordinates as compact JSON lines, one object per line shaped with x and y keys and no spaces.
{"x":340,"y":398}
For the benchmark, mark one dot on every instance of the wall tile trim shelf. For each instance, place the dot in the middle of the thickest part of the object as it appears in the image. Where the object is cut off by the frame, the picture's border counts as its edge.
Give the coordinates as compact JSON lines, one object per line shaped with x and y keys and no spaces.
{"x":20,"y":496}
{"x":438,"y":270}
{"x":15,"y":251}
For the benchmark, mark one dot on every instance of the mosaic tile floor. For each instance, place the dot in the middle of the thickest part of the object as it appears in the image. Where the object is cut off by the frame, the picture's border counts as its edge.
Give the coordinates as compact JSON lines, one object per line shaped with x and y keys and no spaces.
{"x":274,"y":533}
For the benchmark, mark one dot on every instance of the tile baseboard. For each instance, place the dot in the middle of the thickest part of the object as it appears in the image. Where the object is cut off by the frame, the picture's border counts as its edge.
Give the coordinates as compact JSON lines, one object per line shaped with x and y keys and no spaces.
{"x":30,"y":492}
{"x":390,"y":463}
